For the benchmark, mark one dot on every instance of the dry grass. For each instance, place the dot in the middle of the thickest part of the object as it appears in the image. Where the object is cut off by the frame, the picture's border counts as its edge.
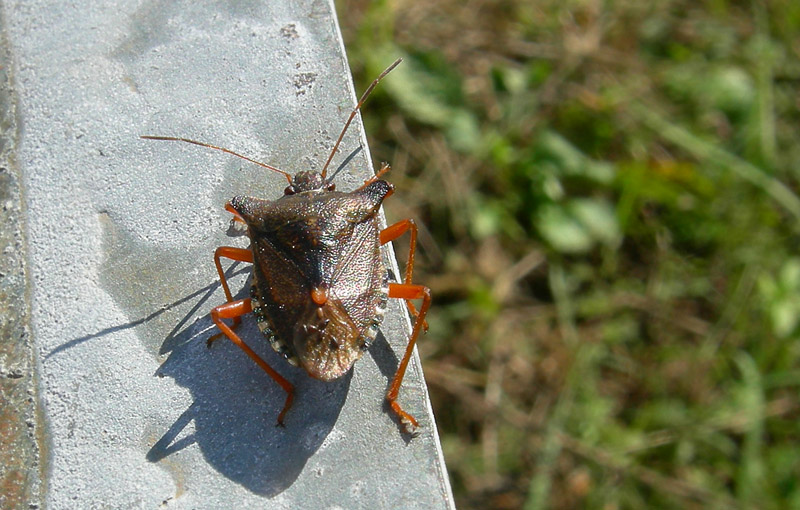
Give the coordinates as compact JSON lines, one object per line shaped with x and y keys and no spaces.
{"x":609,"y":195}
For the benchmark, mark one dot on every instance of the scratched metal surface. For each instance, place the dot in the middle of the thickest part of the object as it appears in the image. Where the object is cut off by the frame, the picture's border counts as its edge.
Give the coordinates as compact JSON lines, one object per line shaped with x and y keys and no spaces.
{"x":121,"y":231}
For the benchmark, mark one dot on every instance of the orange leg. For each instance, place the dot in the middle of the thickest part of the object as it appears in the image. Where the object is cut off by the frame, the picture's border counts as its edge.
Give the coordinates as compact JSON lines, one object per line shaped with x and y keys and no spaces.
{"x":391,"y":233}
{"x":384,"y":168}
{"x":234,"y":310}
{"x":229,"y":252}
{"x":236,"y":215}
{"x":407,"y":291}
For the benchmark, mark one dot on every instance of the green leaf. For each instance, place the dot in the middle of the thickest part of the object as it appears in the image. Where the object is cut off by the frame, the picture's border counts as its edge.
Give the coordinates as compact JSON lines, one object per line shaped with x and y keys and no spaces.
{"x":599,"y":219}
{"x":577,"y":225}
{"x":562,"y":230}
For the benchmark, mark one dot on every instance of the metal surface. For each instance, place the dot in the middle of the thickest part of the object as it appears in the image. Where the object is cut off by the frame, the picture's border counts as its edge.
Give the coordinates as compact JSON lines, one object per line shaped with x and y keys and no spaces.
{"x":121,"y":234}
{"x":20,"y":422}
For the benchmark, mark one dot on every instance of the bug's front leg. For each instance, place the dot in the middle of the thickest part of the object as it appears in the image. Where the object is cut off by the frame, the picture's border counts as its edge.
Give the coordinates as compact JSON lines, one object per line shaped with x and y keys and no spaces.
{"x":407,"y":291}
{"x":391,"y":233}
{"x":238,"y":254}
{"x":234,"y":310}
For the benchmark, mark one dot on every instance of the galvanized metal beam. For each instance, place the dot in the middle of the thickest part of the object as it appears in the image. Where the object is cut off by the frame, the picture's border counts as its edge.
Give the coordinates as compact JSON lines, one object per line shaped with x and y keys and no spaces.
{"x":121,"y":232}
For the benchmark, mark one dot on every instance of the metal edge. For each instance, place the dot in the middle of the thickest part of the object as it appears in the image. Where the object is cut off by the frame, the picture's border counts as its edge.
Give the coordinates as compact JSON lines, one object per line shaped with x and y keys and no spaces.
{"x":23,"y":449}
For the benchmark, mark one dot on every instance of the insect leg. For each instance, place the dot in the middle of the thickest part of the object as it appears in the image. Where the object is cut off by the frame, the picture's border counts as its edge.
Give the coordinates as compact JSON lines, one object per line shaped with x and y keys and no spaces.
{"x":407,"y":291}
{"x":229,"y":252}
{"x":384,"y":168}
{"x":234,"y":310}
{"x":391,"y":233}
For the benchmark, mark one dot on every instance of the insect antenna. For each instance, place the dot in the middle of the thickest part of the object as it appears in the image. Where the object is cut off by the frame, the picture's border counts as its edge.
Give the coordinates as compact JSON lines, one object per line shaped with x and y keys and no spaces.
{"x":355,"y":110}
{"x":223,"y":149}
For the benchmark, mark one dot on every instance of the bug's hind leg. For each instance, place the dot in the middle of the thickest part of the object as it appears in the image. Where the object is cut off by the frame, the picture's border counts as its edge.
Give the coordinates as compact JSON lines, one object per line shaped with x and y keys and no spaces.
{"x":238,"y":254}
{"x":407,"y":291}
{"x":234,"y":310}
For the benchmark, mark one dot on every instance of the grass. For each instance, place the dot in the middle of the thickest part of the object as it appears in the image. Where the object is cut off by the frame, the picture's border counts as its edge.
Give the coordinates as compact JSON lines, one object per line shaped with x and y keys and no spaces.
{"x":610,"y":198}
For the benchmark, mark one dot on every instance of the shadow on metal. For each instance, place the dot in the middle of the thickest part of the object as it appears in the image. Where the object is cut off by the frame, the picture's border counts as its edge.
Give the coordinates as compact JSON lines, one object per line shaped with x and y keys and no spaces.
{"x":169,"y":343}
{"x":344,"y":163}
{"x":235,"y":407}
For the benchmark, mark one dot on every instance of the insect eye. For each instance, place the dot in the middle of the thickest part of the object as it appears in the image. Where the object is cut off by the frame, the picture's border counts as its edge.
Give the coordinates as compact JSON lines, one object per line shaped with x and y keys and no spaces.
{"x":330,"y":186}
{"x":289,"y":190}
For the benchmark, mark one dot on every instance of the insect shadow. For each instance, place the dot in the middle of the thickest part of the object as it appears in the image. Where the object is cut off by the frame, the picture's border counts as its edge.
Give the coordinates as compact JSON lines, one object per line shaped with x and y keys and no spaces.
{"x":234,"y":408}
{"x":231,"y":419}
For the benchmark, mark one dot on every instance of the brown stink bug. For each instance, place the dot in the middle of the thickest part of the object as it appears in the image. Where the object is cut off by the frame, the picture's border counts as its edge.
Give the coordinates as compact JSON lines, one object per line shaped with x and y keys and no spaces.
{"x":319,"y":286}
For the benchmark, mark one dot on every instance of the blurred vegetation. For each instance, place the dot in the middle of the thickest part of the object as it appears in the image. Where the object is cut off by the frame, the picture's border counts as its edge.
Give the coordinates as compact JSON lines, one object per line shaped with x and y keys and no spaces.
{"x":609,"y":200}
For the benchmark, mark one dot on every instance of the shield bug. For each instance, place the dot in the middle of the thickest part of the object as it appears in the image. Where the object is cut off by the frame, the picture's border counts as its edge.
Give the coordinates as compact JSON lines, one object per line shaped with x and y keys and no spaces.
{"x":319,"y":285}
